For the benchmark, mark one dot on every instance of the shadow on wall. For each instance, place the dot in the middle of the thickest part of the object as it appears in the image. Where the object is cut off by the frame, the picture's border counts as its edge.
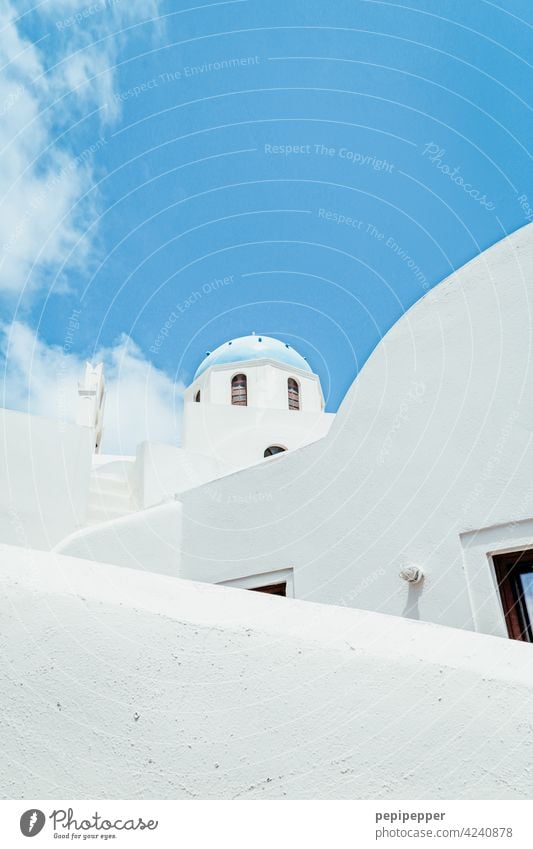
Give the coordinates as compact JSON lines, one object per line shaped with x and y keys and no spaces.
{"x":411,"y":610}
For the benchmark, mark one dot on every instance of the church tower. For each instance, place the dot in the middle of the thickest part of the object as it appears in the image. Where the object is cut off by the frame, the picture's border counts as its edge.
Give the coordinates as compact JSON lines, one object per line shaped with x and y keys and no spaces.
{"x":251,"y":398}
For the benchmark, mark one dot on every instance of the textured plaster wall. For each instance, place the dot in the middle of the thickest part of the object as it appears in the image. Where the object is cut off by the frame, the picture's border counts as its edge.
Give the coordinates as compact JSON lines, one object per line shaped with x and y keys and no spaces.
{"x":120,"y":684}
{"x":44,"y":478}
{"x":434,"y":439}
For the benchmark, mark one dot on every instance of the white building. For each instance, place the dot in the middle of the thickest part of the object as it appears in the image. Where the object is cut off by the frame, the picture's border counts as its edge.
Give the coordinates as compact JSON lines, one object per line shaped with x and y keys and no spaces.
{"x":414,"y":501}
{"x":250,"y":398}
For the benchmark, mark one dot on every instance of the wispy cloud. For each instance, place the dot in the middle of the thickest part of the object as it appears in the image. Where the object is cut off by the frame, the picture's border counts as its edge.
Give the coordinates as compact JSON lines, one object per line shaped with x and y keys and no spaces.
{"x":37,"y":190}
{"x":46,"y":202}
{"x":93,"y":34}
{"x":142,"y":402}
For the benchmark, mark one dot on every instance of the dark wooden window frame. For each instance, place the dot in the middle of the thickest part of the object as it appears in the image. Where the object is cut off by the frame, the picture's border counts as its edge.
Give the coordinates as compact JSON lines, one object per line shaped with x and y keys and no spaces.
{"x":239,"y":390}
{"x":508,"y":568}
{"x":278,"y":582}
{"x":272,"y":589}
{"x":293,"y":391}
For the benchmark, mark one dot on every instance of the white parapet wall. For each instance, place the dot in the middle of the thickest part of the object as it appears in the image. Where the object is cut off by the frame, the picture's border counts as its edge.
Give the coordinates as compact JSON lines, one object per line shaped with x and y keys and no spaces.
{"x":45,"y":466}
{"x":238,"y":436}
{"x":147,"y":539}
{"x":163,"y":470}
{"x":121,"y":684}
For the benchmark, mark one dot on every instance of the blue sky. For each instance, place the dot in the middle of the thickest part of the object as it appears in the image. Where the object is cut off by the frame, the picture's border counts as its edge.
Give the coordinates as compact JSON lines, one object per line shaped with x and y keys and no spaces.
{"x":306,"y":170}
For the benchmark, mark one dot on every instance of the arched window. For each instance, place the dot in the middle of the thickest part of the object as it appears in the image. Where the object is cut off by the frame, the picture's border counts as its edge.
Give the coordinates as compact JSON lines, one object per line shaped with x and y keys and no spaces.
{"x":294,"y":394}
{"x":197,"y":397}
{"x":273,"y":449}
{"x":239,"y":391}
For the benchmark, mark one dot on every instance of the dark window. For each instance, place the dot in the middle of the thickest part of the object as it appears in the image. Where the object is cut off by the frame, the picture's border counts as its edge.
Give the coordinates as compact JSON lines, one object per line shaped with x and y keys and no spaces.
{"x":294,"y":394}
{"x":514,"y":574}
{"x":273,"y":449}
{"x":239,"y":391}
{"x":197,"y":397}
{"x":272,"y":589}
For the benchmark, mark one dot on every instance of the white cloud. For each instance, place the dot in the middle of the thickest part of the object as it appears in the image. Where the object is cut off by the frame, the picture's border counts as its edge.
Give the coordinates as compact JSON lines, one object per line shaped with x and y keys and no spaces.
{"x":89,"y":75}
{"x":37,"y":191}
{"x":95,"y":32}
{"x":142,"y":402}
{"x":44,"y":216}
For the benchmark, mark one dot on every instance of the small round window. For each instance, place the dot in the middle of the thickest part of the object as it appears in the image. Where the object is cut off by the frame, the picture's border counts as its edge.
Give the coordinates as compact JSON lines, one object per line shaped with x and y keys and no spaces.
{"x":239,"y":390}
{"x":273,"y":449}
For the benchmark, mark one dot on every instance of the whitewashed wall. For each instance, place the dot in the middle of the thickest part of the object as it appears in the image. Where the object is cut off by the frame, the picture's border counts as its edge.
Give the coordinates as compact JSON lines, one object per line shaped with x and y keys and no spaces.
{"x":147,"y":539}
{"x":433,"y":440}
{"x":163,"y":470}
{"x":267,"y":387}
{"x":120,"y":684}
{"x":44,"y":478}
{"x":238,"y":436}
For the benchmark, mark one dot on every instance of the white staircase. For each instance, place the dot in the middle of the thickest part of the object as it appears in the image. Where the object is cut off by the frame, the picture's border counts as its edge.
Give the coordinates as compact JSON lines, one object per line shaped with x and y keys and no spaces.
{"x":110,"y":494}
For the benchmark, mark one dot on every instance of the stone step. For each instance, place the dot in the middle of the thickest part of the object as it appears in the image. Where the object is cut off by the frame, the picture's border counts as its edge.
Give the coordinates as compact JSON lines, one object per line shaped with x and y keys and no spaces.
{"x":108,"y":485}
{"x":109,"y":498}
{"x":97,"y":516}
{"x":109,"y":491}
{"x":101,"y":506}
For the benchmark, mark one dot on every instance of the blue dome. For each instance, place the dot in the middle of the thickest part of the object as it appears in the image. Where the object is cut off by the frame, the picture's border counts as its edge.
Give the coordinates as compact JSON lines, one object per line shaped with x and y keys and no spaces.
{"x":253,"y":348}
